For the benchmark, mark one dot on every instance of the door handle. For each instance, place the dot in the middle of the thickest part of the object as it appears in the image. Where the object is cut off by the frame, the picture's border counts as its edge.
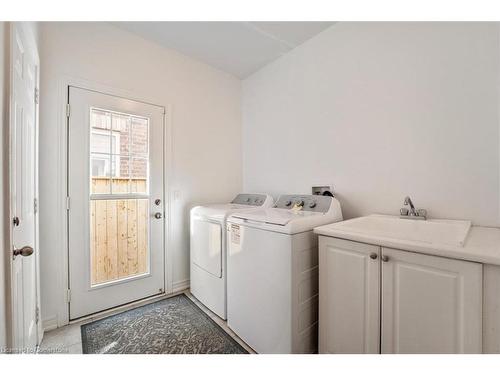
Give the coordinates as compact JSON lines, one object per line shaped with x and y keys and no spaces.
{"x":373,"y":255}
{"x":25,"y":251}
{"x":385,"y":258}
{"x":158,"y":215}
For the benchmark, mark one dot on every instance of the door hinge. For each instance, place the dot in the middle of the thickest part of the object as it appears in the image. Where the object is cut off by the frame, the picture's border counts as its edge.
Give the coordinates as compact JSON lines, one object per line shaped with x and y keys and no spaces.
{"x":68,"y":201}
{"x":37,"y":95}
{"x":35,"y":205}
{"x":68,"y":295}
{"x":37,"y":315}
{"x":68,"y":110}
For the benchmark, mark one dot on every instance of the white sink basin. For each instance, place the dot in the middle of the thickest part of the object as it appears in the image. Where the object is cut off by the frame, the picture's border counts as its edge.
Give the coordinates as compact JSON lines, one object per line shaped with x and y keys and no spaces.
{"x":446,"y":232}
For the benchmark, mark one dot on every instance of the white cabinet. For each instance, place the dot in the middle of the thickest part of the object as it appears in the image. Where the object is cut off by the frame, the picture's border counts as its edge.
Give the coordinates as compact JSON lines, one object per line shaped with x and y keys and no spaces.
{"x":430,"y":304}
{"x":349,"y":302}
{"x":379,"y":300}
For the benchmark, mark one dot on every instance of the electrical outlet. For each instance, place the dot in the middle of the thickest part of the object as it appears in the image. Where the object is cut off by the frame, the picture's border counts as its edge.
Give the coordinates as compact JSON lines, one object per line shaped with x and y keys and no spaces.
{"x":319,"y":190}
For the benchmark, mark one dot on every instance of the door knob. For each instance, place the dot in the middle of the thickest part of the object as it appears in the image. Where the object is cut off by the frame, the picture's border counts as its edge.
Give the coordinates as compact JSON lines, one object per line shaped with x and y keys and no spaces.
{"x":384,"y":258}
{"x":25,"y":251}
{"x":158,"y":215}
{"x":373,"y":255}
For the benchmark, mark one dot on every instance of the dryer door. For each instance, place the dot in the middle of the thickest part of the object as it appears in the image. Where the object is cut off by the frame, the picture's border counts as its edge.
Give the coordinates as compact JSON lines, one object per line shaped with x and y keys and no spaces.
{"x":206,"y":246}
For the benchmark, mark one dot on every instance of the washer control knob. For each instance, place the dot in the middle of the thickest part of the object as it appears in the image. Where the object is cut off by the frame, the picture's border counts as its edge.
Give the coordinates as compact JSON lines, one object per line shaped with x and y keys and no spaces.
{"x":312,"y":204}
{"x":300,"y":203}
{"x":288,"y":203}
{"x":248,"y":200}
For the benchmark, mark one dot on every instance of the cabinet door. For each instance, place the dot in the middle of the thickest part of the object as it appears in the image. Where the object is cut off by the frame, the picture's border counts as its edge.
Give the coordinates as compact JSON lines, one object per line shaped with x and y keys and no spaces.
{"x":430,"y":304}
{"x":349,"y":297}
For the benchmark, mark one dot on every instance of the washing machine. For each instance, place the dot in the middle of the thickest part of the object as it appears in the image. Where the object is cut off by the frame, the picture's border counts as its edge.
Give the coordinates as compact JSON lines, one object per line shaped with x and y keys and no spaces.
{"x":272,"y":280}
{"x":208,"y":248}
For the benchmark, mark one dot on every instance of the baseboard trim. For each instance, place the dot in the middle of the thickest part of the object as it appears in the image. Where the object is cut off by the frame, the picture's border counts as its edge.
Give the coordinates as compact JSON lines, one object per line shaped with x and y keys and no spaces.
{"x":49,"y":324}
{"x":178,"y":286}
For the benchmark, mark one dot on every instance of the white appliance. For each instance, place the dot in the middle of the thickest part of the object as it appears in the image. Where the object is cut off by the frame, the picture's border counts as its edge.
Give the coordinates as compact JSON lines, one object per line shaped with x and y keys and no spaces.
{"x":208,"y":248}
{"x":272,"y":285}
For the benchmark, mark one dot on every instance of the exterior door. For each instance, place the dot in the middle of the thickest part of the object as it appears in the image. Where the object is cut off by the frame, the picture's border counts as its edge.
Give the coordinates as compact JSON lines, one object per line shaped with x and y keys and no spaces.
{"x":25,"y":310}
{"x":349,"y":297}
{"x":116,"y":201}
{"x":430,"y":304}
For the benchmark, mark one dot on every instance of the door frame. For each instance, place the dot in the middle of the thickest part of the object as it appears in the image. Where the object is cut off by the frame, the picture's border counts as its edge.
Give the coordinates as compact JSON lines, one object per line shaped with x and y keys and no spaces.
{"x":64,"y":83}
{"x":33,"y":48}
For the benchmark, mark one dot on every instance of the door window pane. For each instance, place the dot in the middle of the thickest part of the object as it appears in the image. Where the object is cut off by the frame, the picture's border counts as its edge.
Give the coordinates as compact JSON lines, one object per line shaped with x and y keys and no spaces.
{"x":119,"y":164}
{"x":120,"y":174}
{"x":121,"y":126}
{"x":119,"y":146}
{"x":100,"y":172}
{"x":100,"y":165}
{"x":139,"y":137}
{"x":100,"y":119}
{"x":138,"y":173}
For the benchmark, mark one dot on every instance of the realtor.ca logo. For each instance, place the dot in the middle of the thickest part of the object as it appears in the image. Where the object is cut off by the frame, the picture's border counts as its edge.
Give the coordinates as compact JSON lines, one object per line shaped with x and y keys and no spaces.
{"x":55,"y":350}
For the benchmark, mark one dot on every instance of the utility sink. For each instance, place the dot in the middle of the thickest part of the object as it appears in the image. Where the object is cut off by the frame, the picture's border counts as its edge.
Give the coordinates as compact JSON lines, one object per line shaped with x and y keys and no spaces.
{"x":446,"y":232}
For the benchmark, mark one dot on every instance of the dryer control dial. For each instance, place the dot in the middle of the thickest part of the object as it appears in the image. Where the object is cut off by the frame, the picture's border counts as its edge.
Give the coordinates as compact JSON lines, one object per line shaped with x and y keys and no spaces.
{"x":312,"y":204}
{"x":299,"y":203}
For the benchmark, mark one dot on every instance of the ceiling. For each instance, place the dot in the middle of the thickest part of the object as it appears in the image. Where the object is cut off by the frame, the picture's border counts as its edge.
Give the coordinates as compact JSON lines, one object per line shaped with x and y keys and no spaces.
{"x":238,"y":48}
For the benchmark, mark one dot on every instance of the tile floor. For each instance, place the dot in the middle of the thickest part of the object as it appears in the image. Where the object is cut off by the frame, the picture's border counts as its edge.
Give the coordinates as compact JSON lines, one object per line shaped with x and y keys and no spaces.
{"x":68,"y":339}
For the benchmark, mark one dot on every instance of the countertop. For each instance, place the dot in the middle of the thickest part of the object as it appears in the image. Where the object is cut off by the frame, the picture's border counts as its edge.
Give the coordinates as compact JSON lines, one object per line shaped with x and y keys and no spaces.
{"x":482,"y":244}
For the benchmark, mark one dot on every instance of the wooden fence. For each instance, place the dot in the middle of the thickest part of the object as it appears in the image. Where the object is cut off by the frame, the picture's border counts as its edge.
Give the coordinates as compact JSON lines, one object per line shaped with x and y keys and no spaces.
{"x":118,"y":233}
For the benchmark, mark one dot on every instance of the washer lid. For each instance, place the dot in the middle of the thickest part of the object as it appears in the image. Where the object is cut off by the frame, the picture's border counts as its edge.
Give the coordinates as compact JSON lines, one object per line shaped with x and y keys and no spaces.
{"x":242,"y":202}
{"x":275,"y":216}
{"x":218,"y":211}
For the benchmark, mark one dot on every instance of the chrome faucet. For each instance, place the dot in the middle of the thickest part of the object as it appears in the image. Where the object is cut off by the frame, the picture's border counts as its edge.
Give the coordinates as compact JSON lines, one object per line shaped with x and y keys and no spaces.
{"x":412,"y":207}
{"x":412,"y":213}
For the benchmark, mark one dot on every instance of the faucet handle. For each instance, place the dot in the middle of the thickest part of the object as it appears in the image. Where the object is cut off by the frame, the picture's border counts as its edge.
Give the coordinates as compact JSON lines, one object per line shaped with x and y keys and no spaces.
{"x":403,"y":211}
{"x":422,"y":212}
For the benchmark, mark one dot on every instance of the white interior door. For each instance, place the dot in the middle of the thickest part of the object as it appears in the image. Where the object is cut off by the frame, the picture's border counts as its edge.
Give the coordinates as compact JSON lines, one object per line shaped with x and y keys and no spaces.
{"x":116,"y":201}
{"x":23,"y":190}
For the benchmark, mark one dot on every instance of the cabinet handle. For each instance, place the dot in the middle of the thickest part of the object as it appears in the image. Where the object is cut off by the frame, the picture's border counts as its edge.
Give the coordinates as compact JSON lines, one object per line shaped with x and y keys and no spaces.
{"x":373,"y":255}
{"x":384,"y":258}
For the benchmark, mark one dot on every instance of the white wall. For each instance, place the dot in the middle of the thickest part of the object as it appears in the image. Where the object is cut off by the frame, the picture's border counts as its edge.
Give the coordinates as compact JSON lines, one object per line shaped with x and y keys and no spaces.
{"x":4,"y":171}
{"x":205,"y":118}
{"x":381,"y":110}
